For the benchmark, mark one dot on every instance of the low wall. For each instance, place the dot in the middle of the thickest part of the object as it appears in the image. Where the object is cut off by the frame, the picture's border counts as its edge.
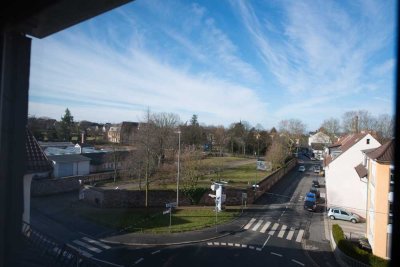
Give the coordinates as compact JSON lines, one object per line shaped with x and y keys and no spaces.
{"x":46,"y":187}
{"x":234,"y":196}
{"x":118,"y":198}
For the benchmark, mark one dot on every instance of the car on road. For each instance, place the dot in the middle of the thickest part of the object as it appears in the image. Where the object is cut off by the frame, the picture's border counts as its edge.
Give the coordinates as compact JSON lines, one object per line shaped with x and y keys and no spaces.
{"x":315,"y":183}
{"x":315,"y":191}
{"x":302,"y":168}
{"x":342,"y":214}
{"x":311,"y":195}
{"x":310,"y":204}
{"x":317,"y":169}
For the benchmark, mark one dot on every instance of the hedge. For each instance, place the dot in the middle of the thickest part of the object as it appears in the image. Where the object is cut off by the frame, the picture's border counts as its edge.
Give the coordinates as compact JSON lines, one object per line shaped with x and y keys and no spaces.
{"x":351,"y":250}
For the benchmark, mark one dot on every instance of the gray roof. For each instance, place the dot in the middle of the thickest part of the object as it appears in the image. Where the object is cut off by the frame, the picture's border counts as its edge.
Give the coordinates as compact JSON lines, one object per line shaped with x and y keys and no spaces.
{"x":68,"y":158}
{"x":36,"y":159}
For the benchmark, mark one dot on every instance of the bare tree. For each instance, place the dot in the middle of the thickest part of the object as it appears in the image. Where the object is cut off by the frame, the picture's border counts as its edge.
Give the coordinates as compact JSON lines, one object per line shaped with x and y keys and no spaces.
{"x":277,"y":152}
{"x":292,"y":130}
{"x":332,"y":127}
{"x":221,"y":138}
{"x":192,"y":169}
{"x":359,"y":120}
{"x":385,"y":127}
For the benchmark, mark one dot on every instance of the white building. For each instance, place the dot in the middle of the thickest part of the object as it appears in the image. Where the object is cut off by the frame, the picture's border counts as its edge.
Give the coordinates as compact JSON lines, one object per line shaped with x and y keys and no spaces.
{"x":319,"y":138}
{"x":344,"y":188}
{"x":70,"y":165}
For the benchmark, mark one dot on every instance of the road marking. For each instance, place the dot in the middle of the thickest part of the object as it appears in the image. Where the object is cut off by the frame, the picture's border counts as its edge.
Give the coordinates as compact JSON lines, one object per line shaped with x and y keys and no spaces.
{"x":258,"y":224}
{"x":274,"y":227}
{"x":96,"y":242}
{"x":265,"y":227}
{"x":282,"y":231}
{"x":290,"y":234}
{"x":216,"y":243}
{"x":276,"y":254}
{"x":237,"y":245}
{"x":138,"y":261}
{"x":244,"y":246}
{"x":250,"y":223}
{"x":155,"y":252}
{"x":209,"y":243}
{"x":258,"y":249}
{"x":87,"y":246}
{"x":84,"y":253}
{"x":266,"y":241}
{"x":251,"y":247}
{"x":300,"y":235}
{"x":230,"y":244}
{"x":223,"y":244}
{"x":299,"y":263}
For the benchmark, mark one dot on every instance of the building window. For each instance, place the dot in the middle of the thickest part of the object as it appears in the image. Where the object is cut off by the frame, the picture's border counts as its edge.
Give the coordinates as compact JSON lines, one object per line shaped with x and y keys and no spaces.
{"x":368,"y":141}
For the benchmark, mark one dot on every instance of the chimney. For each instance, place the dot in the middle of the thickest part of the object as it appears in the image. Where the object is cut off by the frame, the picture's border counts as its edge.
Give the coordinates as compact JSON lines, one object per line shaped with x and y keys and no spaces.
{"x":356,"y":124}
{"x":82,"y":137}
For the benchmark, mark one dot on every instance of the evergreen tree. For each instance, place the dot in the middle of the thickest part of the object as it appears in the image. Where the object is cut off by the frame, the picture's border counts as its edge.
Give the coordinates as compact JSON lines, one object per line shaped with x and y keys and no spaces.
{"x":66,"y":126}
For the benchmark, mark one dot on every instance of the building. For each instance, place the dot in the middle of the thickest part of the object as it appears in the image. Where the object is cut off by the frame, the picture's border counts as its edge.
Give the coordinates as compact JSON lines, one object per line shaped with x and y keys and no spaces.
{"x":123,"y":133}
{"x":70,"y":165}
{"x":317,"y":143}
{"x":377,"y":167}
{"x":344,"y":187}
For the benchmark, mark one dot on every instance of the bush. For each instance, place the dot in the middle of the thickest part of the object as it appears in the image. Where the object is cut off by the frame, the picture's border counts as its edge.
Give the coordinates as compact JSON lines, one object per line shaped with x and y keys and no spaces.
{"x":355,"y":252}
{"x":195,"y":194}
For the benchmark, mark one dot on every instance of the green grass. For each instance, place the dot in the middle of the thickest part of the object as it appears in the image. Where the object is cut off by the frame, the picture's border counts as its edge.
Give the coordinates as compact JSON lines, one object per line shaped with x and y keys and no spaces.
{"x":152,"y":220}
{"x":218,"y":161}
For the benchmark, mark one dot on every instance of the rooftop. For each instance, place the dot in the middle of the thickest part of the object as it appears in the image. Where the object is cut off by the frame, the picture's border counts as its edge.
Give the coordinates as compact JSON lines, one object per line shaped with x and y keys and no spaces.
{"x":384,"y":153}
{"x":36,"y":159}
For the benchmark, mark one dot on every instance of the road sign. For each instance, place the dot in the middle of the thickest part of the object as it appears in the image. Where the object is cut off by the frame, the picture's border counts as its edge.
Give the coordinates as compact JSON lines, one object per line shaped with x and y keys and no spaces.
{"x":171,"y":205}
{"x":211,"y":195}
{"x":244,"y":195}
{"x":166,"y":211}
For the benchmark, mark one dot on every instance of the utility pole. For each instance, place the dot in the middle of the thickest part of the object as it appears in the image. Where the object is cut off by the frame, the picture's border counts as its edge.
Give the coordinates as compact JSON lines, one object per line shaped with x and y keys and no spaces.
{"x":178,"y":176}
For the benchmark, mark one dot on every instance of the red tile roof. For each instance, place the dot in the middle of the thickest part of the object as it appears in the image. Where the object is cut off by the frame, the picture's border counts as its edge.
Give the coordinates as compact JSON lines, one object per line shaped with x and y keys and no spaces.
{"x":36,"y":159}
{"x":384,"y":153}
{"x":361,"y":171}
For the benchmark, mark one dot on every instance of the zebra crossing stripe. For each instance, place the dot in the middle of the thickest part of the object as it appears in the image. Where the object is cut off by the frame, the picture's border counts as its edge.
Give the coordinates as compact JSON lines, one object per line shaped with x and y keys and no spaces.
{"x":290,"y":234}
{"x":300,"y":235}
{"x":216,"y":243}
{"x":249,"y":223}
{"x":80,"y":243}
{"x":84,"y":253}
{"x":265,"y":227}
{"x":257,"y":225}
{"x":274,"y":227}
{"x":96,"y":242}
{"x":282,"y":231}
{"x":209,"y":243}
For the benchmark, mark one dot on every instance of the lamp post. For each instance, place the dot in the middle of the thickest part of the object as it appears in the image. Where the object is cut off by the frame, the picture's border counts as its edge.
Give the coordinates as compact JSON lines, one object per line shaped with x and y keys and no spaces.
{"x":177,"y":178}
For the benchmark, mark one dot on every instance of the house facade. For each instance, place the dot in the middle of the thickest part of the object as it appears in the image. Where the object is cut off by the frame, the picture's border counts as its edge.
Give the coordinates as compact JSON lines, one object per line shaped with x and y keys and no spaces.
{"x":70,"y":165}
{"x":123,"y":133}
{"x":317,"y":143}
{"x":344,"y":187}
{"x":379,"y":170}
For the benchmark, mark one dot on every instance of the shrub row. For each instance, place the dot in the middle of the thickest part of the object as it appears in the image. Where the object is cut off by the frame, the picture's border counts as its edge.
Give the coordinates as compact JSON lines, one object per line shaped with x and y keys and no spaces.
{"x":355,"y":252}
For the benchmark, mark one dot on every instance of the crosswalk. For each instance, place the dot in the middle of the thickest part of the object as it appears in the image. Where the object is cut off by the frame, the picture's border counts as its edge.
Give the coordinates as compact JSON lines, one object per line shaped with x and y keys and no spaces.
{"x":275,"y":229}
{"x":87,"y":246}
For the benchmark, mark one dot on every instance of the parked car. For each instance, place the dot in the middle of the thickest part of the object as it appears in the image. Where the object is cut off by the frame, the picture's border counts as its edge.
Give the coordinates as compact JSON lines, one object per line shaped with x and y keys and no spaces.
{"x":315,"y":183}
{"x":342,"y":214}
{"x":364,"y":244}
{"x":315,"y":191}
{"x":310,"y":204}
{"x":311,"y":195}
{"x":302,"y":168}
{"x":317,"y":169}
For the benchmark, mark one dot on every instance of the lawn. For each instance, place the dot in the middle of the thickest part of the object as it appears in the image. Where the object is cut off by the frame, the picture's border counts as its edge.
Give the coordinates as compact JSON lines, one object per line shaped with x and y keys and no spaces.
{"x":152,"y":219}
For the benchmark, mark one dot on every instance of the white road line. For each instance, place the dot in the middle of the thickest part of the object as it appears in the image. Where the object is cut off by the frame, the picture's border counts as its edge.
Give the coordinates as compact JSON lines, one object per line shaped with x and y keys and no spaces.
{"x":244,"y":246}
{"x":209,"y":243}
{"x":276,"y":254}
{"x":249,"y":223}
{"x":274,"y":227}
{"x":258,"y":224}
{"x":87,"y":246}
{"x":299,"y":263}
{"x":138,"y":261}
{"x":265,"y":227}
{"x":96,"y":242}
{"x":237,"y":245}
{"x":155,"y":252}
{"x":282,"y":231}
{"x":258,"y":249}
{"x":223,"y":244}
{"x":300,"y":235}
{"x":251,"y":247}
{"x":290,"y":234}
{"x":230,"y":244}
{"x":84,"y":253}
{"x":266,"y":241}
{"x":216,"y":243}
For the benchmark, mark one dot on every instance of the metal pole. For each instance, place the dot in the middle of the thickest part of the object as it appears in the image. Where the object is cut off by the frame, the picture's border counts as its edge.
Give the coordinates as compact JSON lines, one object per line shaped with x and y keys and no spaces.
{"x":170,"y":219}
{"x":177,"y":180}
{"x":216,"y":215}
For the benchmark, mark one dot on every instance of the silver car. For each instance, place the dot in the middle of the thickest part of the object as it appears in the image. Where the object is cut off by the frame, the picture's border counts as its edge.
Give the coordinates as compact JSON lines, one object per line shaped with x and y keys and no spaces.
{"x":341,"y":214}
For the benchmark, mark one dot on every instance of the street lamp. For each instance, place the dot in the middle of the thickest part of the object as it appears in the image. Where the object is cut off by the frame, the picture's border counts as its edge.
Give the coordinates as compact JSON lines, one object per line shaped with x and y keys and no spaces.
{"x":177,"y":178}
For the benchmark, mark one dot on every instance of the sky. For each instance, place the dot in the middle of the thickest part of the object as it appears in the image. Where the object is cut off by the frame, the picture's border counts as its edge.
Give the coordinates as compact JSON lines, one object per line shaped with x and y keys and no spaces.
{"x":226,"y":61}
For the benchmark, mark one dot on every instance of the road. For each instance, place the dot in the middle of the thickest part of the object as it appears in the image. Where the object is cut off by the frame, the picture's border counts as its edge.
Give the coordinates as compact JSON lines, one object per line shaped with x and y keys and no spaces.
{"x":276,"y":231}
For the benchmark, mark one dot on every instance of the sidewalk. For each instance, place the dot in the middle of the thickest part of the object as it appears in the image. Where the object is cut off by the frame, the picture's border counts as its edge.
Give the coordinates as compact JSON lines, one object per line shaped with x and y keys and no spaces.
{"x":144,"y":239}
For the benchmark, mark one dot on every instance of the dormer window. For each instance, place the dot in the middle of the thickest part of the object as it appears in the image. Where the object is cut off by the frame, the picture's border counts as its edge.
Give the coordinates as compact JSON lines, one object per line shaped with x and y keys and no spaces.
{"x":368,"y":141}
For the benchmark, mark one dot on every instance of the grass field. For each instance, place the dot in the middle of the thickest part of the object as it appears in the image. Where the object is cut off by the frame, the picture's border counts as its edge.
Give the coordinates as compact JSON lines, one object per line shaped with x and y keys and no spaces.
{"x":152,"y":220}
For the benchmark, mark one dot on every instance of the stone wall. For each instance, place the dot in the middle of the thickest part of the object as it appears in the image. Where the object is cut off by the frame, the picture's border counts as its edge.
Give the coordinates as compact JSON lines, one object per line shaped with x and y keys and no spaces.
{"x":46,"y":187}
{"x":117,"y":198}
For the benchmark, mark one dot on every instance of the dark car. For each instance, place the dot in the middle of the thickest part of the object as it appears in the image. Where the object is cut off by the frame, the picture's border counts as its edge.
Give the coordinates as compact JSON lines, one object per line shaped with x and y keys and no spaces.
{"x":310,"y":204}
{"x":364,"y":244}
{"x":315,"y":191}
{"x":315,"y":183}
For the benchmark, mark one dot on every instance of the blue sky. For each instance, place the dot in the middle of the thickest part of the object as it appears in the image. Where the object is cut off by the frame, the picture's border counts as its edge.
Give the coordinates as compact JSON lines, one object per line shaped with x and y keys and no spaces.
{"x":259,"y":61}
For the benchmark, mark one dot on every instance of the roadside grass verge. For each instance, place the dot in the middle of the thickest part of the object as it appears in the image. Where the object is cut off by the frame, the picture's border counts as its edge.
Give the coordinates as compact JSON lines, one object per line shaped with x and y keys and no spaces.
{"x":152,"y":220}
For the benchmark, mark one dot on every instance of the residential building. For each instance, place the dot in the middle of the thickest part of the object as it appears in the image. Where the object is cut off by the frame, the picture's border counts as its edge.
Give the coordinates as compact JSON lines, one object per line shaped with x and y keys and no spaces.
{"x":317,"y":143}
{"x":377,"y":166}
{"x":123,"y":133}
{"x":344,"y":187}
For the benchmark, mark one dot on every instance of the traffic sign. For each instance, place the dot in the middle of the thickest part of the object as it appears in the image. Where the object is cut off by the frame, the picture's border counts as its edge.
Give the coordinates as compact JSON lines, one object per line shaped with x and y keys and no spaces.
{"x":211,"y":195}
{"x":166,"y":211}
